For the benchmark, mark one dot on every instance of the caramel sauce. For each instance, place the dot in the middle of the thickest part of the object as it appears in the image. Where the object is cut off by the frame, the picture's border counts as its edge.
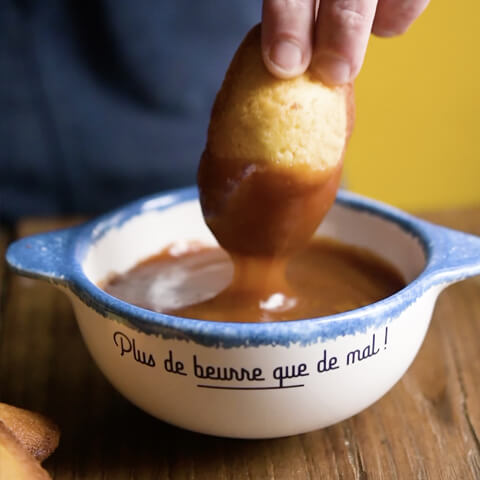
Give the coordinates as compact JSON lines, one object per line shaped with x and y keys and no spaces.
{"x":269,"y":269}
{"x":324,"y":278}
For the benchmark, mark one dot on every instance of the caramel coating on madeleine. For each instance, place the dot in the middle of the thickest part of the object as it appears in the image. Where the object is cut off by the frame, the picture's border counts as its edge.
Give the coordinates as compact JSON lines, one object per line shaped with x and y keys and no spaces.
{"x":257,"y":210}
{"x":37,"y":434}
{"x":284,"y":123}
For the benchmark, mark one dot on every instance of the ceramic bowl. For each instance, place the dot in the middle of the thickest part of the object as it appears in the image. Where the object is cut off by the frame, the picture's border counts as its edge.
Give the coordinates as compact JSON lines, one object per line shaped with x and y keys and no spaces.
{"x":248,"y":380}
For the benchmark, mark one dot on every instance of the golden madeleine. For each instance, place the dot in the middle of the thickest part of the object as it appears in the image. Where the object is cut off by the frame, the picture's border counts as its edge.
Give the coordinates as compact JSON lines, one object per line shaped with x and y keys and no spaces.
{"x":272,"y":164}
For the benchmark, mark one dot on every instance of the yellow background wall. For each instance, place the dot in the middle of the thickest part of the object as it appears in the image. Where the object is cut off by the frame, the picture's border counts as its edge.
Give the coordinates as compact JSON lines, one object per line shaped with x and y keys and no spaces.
{"x":416,"y":142}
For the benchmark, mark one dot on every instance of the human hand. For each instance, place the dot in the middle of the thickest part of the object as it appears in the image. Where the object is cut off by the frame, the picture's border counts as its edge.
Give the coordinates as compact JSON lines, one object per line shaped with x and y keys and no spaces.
{"x":332,"y":37}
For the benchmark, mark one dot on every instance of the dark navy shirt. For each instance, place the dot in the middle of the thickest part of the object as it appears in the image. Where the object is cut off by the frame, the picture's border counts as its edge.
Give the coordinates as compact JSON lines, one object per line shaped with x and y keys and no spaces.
{"x":102,"y":101}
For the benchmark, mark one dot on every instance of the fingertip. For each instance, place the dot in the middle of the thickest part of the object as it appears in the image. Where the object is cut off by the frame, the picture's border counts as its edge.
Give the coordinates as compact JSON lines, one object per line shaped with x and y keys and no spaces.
{"x":394,"y":17}
{"x":287,"y":32}
{"x":285,"y":58}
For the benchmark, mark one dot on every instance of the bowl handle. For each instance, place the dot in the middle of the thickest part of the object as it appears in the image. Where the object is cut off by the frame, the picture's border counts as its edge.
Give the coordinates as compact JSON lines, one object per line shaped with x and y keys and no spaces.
{"x":45,"y":256}
{"x":455,"y":255}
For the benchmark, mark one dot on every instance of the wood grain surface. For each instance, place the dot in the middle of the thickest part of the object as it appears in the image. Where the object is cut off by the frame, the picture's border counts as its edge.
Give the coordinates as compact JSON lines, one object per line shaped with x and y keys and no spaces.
{"x":426,"y":427}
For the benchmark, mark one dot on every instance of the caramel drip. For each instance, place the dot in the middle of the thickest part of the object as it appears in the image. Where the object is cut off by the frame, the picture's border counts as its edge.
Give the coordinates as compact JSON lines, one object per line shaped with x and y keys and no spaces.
{"x":262,"y":215}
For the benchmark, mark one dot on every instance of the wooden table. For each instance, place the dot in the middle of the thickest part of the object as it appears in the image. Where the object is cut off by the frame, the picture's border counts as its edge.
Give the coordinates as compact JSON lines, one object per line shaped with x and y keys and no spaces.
{"x":427,"y":427}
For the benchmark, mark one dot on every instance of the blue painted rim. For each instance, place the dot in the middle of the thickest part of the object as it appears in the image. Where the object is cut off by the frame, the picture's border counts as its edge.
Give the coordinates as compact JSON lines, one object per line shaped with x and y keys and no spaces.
{"x":450,"y":256}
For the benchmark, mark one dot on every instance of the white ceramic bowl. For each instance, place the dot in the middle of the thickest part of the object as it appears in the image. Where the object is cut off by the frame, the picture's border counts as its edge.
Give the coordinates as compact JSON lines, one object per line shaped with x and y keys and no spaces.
{"x":249,"y":380}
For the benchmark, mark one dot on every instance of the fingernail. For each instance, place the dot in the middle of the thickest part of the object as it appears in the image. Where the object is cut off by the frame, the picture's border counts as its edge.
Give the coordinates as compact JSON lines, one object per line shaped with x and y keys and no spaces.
{"x":286,"y":55}
{"x":333,"y":70}
{"x":385,"y":33}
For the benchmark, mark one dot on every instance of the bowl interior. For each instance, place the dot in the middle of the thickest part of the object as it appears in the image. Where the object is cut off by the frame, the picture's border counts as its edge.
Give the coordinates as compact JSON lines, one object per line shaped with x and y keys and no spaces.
{"x":144,"y":235}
